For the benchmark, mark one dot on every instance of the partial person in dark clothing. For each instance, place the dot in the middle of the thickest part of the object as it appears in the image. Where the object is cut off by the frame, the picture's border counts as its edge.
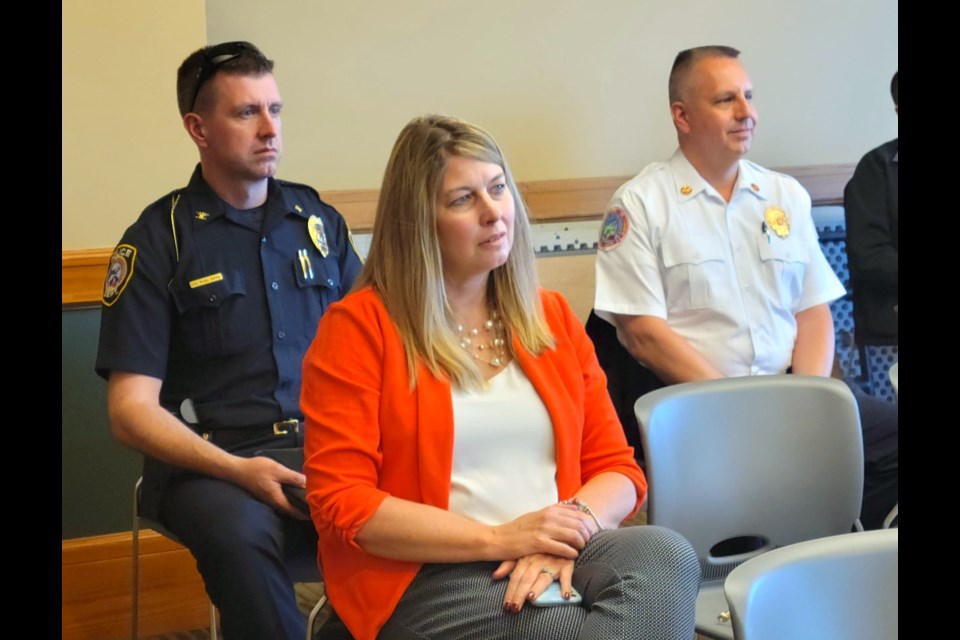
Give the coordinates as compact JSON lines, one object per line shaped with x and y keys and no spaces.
{"x":872,"y":208}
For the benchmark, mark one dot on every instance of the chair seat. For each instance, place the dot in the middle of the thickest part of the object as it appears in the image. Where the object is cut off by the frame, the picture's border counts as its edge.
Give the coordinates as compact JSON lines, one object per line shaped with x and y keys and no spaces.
{"x":711,"y":603}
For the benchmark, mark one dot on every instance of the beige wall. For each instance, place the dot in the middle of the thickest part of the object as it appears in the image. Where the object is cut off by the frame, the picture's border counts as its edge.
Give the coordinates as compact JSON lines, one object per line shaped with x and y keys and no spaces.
{"x":570,"y":88}
{"x":122,"y":145}
{"x":571,"y":275}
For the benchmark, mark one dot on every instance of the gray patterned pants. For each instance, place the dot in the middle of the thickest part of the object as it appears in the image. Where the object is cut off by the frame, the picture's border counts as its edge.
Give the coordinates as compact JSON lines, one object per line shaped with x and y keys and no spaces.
{"x":636,"y":582}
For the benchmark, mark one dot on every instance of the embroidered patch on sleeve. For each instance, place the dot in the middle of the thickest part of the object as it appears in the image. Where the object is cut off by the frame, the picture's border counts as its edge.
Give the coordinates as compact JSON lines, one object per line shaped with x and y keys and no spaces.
{"x":354,"y":246}
{"x":119,"y":272}
{"x":614,"y":229}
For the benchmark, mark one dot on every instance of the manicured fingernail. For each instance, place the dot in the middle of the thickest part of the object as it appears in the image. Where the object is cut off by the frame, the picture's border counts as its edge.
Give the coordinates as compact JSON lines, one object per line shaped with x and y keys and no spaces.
{"x":531,"y":596}
{"x":566,"y":595}
{"x":506,"y":607}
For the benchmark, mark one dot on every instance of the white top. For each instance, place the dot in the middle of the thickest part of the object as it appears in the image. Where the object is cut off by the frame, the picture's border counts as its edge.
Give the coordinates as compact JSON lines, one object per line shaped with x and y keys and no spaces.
{"x":504,"y":461}
{"x":718,"y":273}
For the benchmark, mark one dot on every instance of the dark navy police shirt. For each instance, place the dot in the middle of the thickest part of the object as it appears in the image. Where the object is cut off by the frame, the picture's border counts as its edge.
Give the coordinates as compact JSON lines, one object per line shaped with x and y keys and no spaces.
{"x":222,"y":304}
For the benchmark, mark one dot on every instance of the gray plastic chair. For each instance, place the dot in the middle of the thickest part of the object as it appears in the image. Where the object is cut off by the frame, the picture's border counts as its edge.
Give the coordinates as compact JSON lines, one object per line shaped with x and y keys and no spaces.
{"x":843,"y":586}
{"x":768,"y":460}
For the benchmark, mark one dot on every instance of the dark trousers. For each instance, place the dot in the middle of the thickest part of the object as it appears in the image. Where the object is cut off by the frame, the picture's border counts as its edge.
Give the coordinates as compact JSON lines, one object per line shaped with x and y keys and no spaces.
{"x":245,"y":551}
{"x":880,"y":421}
{"x":627,"y":379}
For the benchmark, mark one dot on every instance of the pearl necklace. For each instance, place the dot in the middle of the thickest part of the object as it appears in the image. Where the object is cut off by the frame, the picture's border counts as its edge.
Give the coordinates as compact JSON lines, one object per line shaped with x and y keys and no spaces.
{"x":494,"y":345}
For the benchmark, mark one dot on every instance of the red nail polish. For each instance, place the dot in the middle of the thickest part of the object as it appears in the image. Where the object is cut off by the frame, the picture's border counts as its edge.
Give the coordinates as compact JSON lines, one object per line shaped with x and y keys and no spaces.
{"x":566,"y":595}
{"x":530,"y":596}
{"x":507,"y":608}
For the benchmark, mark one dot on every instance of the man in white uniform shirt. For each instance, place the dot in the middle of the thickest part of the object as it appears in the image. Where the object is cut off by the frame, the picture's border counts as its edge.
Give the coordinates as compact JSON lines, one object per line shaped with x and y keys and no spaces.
{"x":708,"y":264}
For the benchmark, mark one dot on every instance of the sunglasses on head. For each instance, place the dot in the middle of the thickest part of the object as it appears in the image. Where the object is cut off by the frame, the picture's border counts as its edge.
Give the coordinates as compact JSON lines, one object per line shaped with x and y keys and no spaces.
{"x":216,"y":56}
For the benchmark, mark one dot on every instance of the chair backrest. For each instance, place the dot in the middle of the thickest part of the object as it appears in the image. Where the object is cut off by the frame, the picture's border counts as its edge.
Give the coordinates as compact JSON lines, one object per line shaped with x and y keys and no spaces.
{"x":775,"y":458}
{"x":842,"y":586}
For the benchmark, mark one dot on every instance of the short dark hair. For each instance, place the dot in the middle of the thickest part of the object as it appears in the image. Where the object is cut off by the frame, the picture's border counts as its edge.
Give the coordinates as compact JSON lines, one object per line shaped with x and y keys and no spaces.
{"x":685,"y":60}
{"x":237,"y":58}
{"x":893,"y":88}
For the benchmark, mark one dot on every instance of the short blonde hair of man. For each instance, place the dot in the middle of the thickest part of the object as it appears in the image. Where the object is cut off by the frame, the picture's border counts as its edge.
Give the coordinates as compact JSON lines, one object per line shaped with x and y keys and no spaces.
{"x":405,"y":265}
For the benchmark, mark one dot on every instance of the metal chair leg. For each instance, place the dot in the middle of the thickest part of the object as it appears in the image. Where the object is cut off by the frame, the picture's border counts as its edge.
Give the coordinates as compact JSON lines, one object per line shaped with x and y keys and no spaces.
{"x":893,"y":515}
{"x":135,"y":561}
{"x":314,"y":613}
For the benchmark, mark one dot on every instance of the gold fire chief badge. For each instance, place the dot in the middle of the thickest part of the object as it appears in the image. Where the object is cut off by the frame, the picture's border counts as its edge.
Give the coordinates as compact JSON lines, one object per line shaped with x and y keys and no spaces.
{"x":777,"y":221}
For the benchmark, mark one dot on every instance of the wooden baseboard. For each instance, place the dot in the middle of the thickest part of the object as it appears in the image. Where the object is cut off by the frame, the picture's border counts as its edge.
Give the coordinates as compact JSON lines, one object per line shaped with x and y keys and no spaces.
{"x":96,"y":587}
{"x":81,"y":275}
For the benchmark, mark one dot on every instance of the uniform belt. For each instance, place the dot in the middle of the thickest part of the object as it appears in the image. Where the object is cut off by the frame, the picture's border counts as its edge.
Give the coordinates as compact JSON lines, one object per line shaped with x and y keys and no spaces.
{"x":226,"y":438}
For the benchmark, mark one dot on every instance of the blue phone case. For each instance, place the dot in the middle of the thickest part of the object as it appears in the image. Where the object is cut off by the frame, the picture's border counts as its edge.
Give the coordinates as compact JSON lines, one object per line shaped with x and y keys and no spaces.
{"x":552,"y":597}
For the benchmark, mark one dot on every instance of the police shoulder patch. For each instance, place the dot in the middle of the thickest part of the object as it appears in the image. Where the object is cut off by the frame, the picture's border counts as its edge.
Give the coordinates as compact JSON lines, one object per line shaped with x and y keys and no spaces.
{"x":119,"y":272}
{"x":614,"y":228}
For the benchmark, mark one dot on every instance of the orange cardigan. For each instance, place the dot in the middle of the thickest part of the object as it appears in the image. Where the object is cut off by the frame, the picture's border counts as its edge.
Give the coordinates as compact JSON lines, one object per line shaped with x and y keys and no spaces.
{"x":369,"y":435}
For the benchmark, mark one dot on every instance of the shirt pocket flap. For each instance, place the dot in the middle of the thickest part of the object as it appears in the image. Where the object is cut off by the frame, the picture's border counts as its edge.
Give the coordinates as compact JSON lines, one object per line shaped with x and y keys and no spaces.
{"x":782,"y":249}
{"x":207,"y":291}
{"x":317,"y":273}
{"x":692,"y":249}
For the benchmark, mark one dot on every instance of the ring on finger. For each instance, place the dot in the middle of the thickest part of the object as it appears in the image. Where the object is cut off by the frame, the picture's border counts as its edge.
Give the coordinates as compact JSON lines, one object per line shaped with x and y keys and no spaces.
{"x":547,"y":571}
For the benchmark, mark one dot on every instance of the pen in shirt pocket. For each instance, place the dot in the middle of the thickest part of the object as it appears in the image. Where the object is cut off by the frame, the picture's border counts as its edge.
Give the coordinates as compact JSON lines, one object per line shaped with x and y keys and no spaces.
{"x":305,"y":264}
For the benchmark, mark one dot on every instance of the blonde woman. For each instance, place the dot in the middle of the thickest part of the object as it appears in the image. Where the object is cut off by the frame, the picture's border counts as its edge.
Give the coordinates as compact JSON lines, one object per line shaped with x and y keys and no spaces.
{"x":462,"y":452}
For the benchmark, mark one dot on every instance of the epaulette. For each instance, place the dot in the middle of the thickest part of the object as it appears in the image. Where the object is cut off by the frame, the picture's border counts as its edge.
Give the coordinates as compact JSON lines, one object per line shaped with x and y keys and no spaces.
{"x":298,"y":185}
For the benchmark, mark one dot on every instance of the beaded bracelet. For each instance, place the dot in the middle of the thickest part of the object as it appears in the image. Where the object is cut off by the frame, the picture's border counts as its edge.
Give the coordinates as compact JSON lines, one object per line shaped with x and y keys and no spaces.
{"x":585,"y":508}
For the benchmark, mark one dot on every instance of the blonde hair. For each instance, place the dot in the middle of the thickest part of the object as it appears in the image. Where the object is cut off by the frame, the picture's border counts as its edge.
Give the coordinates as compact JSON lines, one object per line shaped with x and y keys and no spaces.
{"x":405,"y":265}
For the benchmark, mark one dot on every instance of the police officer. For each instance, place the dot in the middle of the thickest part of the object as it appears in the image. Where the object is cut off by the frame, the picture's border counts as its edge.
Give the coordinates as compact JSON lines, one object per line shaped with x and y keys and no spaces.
{"x":210,"y":301}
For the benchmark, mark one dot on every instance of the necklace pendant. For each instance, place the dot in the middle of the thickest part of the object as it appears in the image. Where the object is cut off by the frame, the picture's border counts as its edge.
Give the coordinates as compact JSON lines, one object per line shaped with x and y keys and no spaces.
{"x":478,"y":347}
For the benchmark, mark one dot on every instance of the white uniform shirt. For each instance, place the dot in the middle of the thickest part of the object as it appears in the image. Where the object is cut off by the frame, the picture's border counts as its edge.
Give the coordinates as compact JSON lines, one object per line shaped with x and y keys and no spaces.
{"x":717,"y":272}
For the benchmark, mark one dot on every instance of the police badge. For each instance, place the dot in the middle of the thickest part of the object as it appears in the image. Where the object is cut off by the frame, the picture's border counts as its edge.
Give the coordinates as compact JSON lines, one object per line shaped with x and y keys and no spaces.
{"x":318,"y":235}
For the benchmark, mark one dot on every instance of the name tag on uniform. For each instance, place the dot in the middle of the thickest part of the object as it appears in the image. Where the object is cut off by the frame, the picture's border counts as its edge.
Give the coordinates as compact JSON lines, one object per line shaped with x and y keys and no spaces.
{"x":199,"y":282}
